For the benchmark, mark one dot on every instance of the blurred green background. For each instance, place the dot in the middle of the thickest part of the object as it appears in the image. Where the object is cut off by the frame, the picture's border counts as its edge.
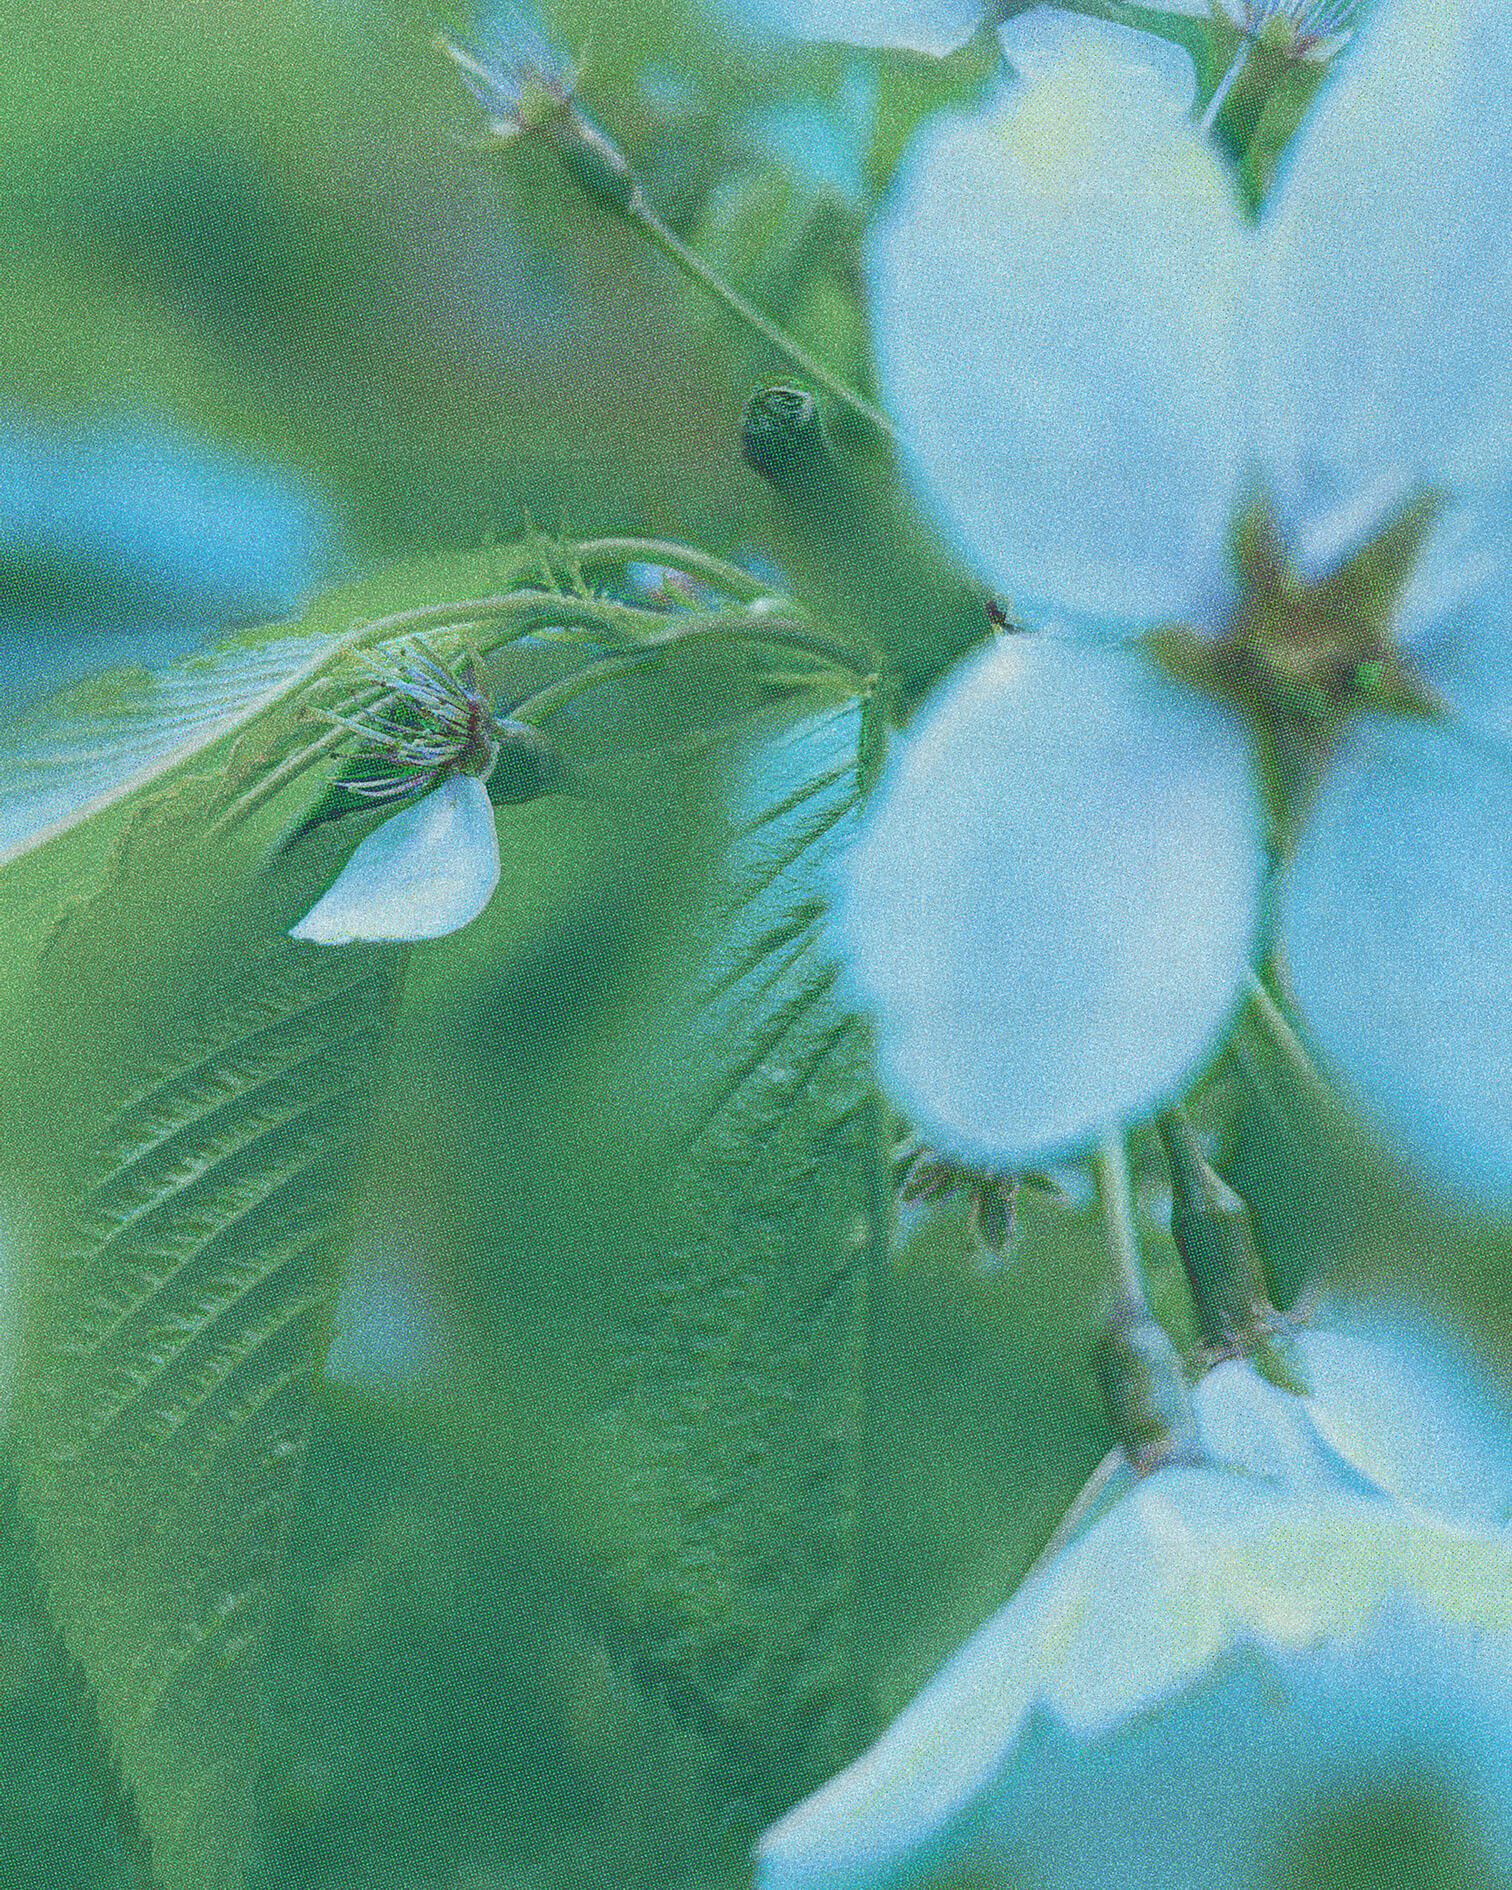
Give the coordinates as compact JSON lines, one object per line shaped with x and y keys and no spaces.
{"x":266,"y":320}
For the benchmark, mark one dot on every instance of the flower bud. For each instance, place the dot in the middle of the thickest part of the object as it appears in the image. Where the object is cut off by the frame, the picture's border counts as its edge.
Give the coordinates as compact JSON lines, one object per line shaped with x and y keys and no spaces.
{"x":1215,"y":1237}
{"x":1144,"y":1393}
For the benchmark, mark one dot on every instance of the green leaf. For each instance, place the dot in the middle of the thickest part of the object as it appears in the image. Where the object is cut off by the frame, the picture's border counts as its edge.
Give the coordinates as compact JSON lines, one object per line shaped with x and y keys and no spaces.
{"x":188,"y":1085}
{"x":189,"y":1094}
{"x":744,"y":1332}
{"x":90,"y":747}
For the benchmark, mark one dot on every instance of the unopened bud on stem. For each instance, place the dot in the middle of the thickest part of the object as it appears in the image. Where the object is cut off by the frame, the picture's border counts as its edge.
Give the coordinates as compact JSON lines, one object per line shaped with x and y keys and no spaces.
{"x":1215,"y":1236}
{"x":1144,"y":1392}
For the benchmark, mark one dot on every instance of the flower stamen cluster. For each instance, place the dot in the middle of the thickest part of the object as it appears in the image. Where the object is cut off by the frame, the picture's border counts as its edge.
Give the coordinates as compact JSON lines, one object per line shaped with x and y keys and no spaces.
{"x":514,"y":75}
{"x":428,"y":723}
{"x":1298,"y":29}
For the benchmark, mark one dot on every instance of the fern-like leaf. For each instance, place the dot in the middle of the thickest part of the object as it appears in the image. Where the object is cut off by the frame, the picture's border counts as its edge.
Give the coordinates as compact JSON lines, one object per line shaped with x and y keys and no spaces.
{"x":745,"y":1364}
{"x":190,"y":1087}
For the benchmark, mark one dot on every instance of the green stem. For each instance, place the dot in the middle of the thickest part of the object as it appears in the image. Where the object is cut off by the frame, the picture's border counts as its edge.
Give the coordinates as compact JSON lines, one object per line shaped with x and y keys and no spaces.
{"x":525,"y":610}
{"x":1111,"y":1168}
{"x":276,"y":778}
{"x":697,"y":270}
{"x":1144,"y":1392}
{"x":555,"y":696}
{"x":535,"y":709}
{"x":776,"y":631}
{"x":725,"y":577}
{"x":1277,"y":1028}
{"x":1224,"y":87}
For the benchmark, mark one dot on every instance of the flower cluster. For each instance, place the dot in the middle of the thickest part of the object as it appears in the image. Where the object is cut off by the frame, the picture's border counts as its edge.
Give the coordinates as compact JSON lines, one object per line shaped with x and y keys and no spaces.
{"x":1098,"y":362}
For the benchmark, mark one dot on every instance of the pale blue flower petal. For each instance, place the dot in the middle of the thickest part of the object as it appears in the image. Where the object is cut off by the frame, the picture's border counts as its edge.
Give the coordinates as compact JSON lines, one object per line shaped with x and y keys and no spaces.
{"x":425,"y":872}
{"x":1035,"y":42}
{"x":1390,"y":335}
{"x":1250,"y":1424}
{"x":1052,"y":906}
{"x":1191,"y":1569}
{"x":925,"y":26}
{"x":1396,"y":918}
{"x":1455,"y":617}
{"x":1401,"y":1734}
{"x":1055,"y":288}
{"x":1396,"y":1413}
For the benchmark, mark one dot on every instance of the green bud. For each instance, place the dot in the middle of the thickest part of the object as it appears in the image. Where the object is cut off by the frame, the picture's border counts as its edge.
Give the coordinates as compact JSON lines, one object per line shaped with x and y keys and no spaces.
{"x":858,"y":550}
{"x":783,"y":437}
{"x":1215,"y":1236}
{"x":1144,"y":1392}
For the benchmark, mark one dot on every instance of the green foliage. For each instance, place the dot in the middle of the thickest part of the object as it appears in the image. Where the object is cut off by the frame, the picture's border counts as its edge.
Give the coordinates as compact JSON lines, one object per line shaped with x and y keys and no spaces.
{"x":191,"y":1089}
{"x":193,"y":1092}
{"x":743,"y":1346}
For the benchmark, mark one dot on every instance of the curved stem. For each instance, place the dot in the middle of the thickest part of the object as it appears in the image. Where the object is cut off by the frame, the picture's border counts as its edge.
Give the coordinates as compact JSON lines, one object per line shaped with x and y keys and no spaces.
{"x":725,"y":577}
{"x":557,"y":695}
{"x":1225,"y":86}
{"x":779,"y":632}
{"x":697,"y":270}
{"x":1278,"y":1029}
{"x":535,"y":708}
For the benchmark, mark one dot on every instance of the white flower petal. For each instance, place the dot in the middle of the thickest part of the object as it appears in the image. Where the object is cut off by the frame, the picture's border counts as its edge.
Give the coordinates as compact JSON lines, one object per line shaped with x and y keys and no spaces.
{"x":426,"y":872}
{"x":1455,"y":618}
{"x":1190,"y":1569}
{"x":1276,"y":1760}
{"x":1396,"y":1413}
{"x":925,"y":26}
{"x":1397,"y":922}
{"x":1055,"y":288}
{"x":1051,"y":909}
{"x":1036,"y":41}
{"x":1391,"y":241}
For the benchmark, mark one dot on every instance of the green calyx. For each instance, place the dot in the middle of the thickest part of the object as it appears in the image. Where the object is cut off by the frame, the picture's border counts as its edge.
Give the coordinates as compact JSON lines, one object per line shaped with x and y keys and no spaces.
{"x":1144,"y":1392}
{"x":1300,"y":658}
{"x":1215,"y":1236}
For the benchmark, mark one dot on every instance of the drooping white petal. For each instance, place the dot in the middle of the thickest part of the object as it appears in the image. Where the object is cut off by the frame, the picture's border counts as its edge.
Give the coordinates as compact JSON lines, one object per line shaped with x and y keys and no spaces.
{"x":1052,"y":906}
{"x":1397,"y":922}
{"x":1038,"y":40}
{"x":426,"y":872}
{"x":1151,"y":1608}
{"x":1054,"y":289}
{"x":1396,"y":1413}
{"x":1389,"y":335}
{"x":925,"y":26}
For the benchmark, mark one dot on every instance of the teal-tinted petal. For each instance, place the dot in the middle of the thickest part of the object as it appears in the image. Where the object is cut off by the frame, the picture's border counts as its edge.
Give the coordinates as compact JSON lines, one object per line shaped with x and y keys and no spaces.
{"x":1055,"y":287}
{"x":1455,"y":617}
{"x":1250,"y":1424}
{"x":1396,"y":1412}
{"x":1396,"y":918}
{"x":1391,"y":240}
{"x":925,"y":26}
{"x":426,"y":872}
{"x":1189,"y":1572}
{"x":1051,"y":908}
{"x":1036,"y":41}
{"x":1389,"y":1752}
